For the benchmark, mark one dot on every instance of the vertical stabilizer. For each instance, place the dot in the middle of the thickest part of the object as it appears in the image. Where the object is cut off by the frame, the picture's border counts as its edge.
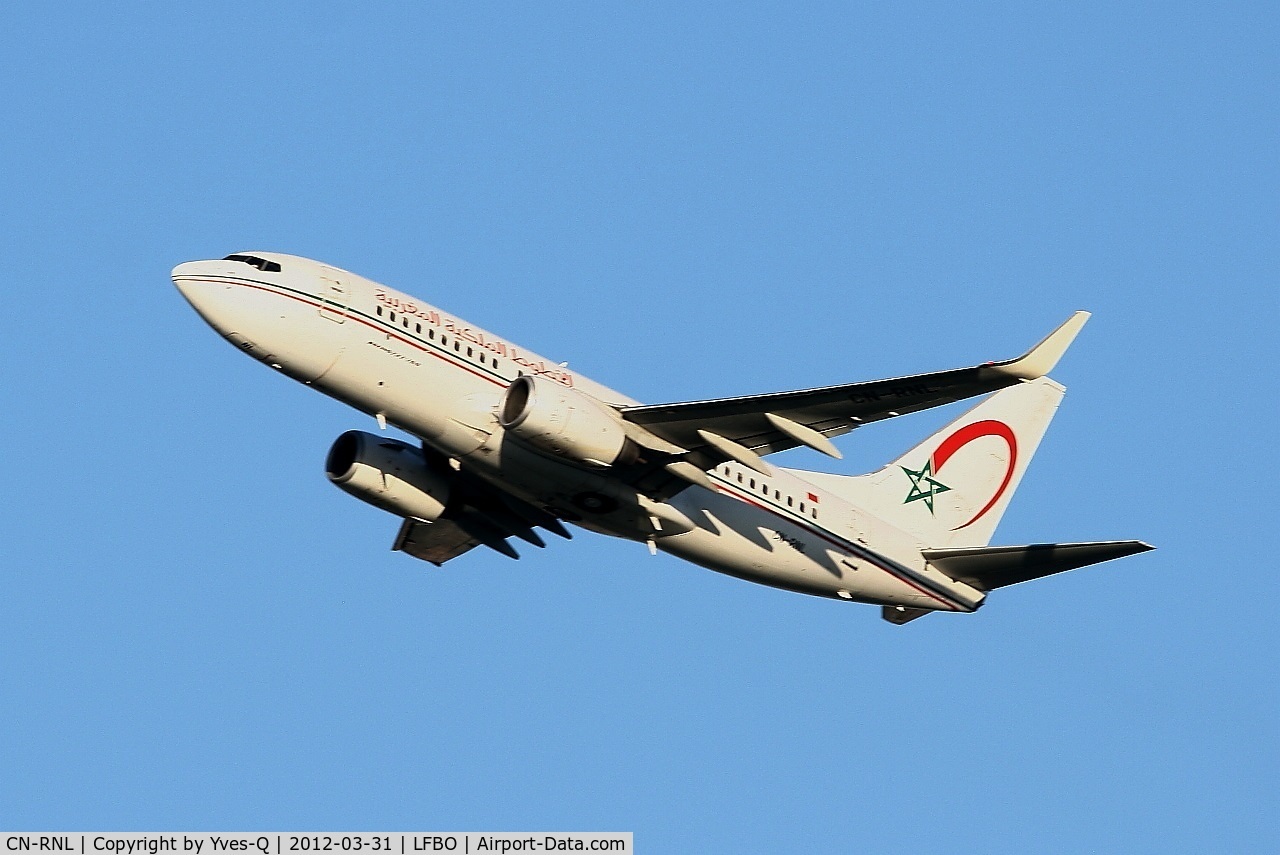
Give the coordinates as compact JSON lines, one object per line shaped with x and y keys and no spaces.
{"x":952,"y":489}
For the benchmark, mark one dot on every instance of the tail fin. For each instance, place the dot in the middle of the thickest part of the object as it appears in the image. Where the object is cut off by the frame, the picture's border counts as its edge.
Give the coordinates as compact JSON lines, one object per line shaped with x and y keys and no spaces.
{"x":952,"y":489}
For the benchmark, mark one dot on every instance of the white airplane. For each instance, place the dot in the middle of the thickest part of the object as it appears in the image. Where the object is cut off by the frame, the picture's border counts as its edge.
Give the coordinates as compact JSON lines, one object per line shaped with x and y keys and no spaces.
{"x":512,"y":441}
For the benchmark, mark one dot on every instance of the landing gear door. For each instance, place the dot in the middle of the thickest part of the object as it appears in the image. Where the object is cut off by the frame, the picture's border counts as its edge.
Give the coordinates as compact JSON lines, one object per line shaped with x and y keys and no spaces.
{"x":334,"y":296}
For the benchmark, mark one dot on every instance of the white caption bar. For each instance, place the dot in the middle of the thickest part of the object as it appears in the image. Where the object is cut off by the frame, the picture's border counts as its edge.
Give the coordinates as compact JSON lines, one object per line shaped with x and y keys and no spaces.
{"x":309,"y":842}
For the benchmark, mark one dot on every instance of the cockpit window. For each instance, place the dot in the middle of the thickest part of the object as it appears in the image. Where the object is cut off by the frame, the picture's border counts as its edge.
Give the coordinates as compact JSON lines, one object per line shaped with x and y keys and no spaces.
{"x":254,"y":261}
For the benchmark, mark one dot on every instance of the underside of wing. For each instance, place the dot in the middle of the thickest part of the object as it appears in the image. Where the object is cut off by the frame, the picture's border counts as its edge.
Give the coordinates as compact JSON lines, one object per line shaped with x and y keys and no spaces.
{"x":763,"y":424}
{"x":478,"y":515}
{"x":436,"y":542}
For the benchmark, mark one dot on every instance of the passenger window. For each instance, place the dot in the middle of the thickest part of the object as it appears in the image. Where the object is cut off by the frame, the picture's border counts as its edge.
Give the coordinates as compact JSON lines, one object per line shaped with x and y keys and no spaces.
{"x":753,"y":483}
{"x":417,"y":328}
{"x":393,"y":317}
{"x":468,"y":353}
{"x":431,"y":333}
{"x":788,"y":501}
{"x":379,"y":311}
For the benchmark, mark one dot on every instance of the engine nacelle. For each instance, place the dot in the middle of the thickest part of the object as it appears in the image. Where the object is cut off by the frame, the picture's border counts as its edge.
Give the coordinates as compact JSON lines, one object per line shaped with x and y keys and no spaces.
{"x":388,"y":474}
{"x":558,"y":420}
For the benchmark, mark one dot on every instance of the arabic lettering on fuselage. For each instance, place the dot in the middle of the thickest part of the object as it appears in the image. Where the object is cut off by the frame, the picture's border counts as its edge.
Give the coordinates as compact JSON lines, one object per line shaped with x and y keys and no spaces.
{"x":451,"y":326}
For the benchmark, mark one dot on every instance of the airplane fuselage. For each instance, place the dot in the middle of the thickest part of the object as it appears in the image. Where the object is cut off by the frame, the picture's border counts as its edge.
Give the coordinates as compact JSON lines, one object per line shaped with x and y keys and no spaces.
{"x":412,"y":365}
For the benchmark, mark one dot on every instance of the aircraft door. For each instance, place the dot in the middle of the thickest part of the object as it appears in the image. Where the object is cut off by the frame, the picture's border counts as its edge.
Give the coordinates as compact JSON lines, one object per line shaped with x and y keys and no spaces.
{"x":334,"y":296}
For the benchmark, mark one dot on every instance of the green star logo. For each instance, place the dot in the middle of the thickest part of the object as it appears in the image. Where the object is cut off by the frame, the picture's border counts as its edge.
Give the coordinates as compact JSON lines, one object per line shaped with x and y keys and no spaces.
{"x":923,"y":485}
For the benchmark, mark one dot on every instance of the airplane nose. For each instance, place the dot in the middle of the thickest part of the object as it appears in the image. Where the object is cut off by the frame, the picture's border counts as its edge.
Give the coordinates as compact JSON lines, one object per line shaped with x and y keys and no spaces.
{"x":210,"y":298}
{"x":186,"y":280}
{"x":265,"y":320}
{"x":181,"y":276}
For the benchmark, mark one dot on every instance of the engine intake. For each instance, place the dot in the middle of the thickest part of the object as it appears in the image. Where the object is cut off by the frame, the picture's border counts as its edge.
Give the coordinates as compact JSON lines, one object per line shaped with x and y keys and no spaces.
{"x":564,"y":422}
{"x":388,"y":474}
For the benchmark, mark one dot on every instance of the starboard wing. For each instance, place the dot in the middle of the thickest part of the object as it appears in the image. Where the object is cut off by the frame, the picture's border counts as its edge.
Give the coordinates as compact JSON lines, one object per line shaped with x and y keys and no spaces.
{"x":437,"y":542}
{"x":478,"y":515}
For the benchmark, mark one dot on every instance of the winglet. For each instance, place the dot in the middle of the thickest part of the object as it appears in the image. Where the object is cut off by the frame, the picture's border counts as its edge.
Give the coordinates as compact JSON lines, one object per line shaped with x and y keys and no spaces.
{"x":1040,"y":360}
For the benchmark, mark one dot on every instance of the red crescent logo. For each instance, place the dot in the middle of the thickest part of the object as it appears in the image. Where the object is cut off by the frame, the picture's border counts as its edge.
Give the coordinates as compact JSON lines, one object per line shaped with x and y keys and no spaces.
{"x":968,"y":434}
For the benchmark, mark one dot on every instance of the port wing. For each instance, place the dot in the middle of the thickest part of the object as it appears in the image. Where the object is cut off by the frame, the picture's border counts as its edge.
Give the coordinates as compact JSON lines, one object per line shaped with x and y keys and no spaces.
{"x":764,"y":424}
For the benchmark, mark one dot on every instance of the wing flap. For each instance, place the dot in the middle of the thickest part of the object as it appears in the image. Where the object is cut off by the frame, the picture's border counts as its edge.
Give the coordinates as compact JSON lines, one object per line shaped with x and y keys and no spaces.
{"x":436,"y":542}
{"x":478,"y":515}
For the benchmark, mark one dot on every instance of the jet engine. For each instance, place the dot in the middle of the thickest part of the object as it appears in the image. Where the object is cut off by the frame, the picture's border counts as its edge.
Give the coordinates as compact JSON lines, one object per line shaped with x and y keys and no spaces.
{"x":564,"y":422}
{"x":388,"y":474}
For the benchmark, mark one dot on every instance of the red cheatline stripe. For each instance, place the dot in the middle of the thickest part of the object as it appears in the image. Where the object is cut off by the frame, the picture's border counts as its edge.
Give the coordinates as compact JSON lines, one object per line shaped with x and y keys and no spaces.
{"x":954,"y":605}
{"x":357,"y":317}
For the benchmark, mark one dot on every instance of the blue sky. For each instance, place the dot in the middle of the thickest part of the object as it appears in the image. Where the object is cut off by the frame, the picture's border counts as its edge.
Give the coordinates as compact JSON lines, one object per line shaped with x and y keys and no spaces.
{"x":687,"y":201}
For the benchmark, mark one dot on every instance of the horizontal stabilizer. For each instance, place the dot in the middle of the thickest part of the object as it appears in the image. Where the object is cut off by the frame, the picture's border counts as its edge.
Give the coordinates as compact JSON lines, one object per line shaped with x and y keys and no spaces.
{"x":902,"y":614}
{"x":989,"y":567}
